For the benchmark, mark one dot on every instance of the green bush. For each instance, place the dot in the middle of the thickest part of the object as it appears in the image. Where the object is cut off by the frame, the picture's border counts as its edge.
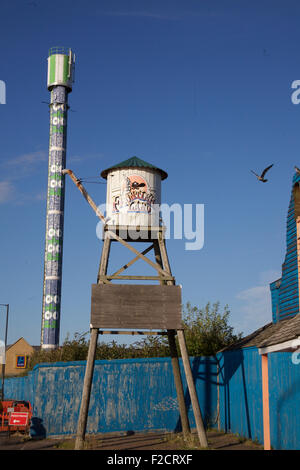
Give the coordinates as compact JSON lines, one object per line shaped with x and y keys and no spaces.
{"x":207,"y":330}
{"x":77,"y":350}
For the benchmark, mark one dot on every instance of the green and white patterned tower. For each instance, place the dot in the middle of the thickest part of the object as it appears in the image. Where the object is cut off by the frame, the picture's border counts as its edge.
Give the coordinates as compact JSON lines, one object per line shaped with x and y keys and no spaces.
{"x":60,"y":68}
{"x":60,"y":80}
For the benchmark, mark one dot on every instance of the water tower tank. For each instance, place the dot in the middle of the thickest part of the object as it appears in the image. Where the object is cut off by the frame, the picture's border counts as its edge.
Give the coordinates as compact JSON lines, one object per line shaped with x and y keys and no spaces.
{"x":133,"y":193}
{"x":60,"y":68}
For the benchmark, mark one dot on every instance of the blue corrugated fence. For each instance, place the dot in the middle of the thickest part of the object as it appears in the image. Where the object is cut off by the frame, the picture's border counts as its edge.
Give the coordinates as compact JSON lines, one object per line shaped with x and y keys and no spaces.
{"x":140,"y":395}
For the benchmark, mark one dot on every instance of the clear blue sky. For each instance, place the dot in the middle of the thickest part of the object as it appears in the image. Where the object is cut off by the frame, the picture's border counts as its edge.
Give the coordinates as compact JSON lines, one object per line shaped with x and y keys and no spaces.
{"x":201,"y":89}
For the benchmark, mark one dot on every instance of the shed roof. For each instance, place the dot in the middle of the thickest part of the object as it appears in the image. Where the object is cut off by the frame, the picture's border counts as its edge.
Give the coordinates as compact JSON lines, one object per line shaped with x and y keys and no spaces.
{"x":270,"y":334}
{"x":134,"y":162}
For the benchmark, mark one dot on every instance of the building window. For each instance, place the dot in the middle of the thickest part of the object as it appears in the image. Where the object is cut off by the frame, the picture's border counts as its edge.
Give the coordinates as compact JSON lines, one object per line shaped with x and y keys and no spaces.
{"x":21,"y":361}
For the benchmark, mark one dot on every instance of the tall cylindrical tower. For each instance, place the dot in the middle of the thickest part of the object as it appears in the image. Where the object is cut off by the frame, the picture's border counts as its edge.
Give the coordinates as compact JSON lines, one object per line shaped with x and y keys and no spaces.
{"x":60,"y":80}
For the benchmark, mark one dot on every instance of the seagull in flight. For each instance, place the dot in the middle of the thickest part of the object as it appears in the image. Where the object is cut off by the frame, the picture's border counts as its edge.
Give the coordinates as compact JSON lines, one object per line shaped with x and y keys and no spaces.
{"x":297,"y":170}
{"x":261,"y":177}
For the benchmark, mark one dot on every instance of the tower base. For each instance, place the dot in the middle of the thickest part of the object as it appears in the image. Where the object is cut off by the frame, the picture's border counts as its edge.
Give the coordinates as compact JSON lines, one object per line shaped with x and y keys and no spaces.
{"x":127,"y":306}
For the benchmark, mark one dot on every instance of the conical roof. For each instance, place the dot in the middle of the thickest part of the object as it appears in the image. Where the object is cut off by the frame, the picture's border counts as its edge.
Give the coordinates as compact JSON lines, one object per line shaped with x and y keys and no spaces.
{"x":134,"y":162}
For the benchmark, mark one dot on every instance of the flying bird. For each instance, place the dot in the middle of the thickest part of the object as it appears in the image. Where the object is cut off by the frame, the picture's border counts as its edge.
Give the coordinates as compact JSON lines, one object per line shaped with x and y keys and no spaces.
{"x":297,"y":170}
{"x":261,"y":177}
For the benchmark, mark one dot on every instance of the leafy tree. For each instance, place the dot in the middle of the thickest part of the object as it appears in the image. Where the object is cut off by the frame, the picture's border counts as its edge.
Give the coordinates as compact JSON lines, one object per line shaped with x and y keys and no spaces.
{"x":207,"y":330}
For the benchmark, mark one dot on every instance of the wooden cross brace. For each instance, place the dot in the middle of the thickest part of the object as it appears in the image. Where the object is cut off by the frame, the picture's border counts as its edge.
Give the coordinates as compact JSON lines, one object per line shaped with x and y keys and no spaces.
{"x":165,"y":274}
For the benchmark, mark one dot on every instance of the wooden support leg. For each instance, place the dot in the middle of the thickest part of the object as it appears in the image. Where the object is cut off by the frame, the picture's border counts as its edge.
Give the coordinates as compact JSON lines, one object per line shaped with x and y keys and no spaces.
{"x":192,"y":389}
{"x":164,"y":255}
{"x":178,"y":384}
{"x":87,"y":385}
{"x":89,"y":371}
{"x":162,"y":259}
{"x":104,"y":258}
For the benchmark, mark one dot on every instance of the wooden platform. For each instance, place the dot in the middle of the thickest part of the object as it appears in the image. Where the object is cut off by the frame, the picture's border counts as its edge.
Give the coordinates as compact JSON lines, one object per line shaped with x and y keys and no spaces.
{"x":135,"y":233}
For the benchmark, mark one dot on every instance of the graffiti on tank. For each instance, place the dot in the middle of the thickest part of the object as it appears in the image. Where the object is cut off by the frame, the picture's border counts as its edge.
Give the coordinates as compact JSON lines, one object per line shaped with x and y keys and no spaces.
{"x":135,"y":196}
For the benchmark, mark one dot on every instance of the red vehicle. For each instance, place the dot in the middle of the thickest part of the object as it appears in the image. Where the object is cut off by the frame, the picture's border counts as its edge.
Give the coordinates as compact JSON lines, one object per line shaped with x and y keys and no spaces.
{"x":15,"y":415}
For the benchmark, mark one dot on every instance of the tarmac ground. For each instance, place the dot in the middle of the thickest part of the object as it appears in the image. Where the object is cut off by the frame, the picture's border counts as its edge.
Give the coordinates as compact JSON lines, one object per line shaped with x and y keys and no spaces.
{"x":130,"y":441}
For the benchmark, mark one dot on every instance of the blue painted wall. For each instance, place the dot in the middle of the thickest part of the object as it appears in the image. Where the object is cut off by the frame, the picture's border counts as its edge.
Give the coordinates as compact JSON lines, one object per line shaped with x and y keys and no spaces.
{"x":241,"y":396}
{"x":140,"y":395}
{"x":241,"y":393}
{"x":284,"y":389}
{"x":135,"y":394}
{"x":275,"y":289}
{"x":285,"y":291}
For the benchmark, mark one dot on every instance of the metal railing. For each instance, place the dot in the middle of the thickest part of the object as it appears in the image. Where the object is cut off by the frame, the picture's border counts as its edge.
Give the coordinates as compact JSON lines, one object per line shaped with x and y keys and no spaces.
{"x":59,"y":50}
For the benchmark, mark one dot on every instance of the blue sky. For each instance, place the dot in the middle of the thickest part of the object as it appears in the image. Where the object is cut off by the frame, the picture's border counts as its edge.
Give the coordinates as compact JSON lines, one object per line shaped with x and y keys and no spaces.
{"x":201,"y":89}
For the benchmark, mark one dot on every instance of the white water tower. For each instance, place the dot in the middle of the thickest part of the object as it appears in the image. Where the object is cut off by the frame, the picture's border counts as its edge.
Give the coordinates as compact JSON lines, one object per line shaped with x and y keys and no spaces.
{"x":133,"y":195}
{"x":133,"y":203}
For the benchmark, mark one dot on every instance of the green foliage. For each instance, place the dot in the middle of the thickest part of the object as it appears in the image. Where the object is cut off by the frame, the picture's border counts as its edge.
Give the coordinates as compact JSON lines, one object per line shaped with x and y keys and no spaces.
{"x":71,"y":350}
{"x":77,"y":350}
{"x":207,"y":330}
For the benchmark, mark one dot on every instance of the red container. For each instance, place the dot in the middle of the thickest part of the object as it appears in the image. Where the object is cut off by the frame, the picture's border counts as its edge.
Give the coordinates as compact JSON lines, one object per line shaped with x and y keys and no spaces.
{"x":15,"y":415}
